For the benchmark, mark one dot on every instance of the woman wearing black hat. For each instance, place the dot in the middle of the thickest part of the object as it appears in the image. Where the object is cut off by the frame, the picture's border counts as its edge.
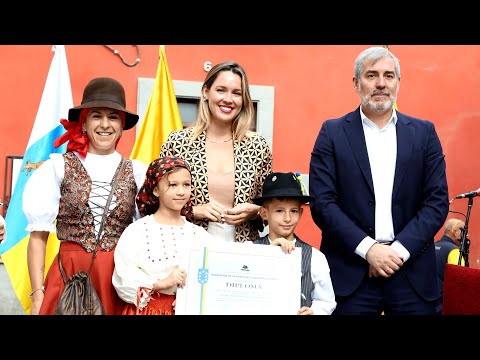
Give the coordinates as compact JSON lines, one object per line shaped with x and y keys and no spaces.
{"x":72,"y":190}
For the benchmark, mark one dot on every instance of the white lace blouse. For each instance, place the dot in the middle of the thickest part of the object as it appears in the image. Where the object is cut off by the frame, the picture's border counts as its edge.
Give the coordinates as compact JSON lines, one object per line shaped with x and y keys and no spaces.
{"x":148,"y":251}
{"x":41,"y":196}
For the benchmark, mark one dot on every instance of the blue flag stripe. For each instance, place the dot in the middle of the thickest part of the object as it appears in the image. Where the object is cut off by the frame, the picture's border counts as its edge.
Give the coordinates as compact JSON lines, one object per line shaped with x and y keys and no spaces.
{"x":15,"y":219}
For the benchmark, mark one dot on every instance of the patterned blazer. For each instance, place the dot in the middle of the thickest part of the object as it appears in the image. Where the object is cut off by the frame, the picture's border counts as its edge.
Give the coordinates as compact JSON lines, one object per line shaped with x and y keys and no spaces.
{"x":253,"y":162}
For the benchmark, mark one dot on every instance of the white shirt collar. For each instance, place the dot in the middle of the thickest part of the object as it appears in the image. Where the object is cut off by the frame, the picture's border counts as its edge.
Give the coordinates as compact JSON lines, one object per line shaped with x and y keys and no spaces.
{"x":370,"y":123}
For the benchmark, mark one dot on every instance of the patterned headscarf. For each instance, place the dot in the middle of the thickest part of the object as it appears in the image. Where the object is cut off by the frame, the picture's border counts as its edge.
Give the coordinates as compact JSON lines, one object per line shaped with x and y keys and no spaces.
{"x":147,"y":202}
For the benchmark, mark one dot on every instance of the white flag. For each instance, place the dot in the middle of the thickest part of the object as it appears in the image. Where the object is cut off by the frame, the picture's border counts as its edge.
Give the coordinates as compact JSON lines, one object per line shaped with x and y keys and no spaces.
{"x":56,"y":101}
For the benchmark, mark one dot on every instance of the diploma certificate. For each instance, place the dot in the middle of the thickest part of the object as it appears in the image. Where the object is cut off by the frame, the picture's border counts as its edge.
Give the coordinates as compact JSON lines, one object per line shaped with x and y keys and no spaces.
{"x":240,"y":279}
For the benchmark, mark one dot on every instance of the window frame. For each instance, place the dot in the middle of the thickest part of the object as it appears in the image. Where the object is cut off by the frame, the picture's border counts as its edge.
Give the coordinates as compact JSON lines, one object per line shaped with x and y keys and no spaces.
{"x":262,"y":95}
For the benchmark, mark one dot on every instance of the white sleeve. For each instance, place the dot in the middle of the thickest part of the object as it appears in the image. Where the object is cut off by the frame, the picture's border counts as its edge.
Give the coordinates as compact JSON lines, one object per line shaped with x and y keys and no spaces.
{"x":128,"y":276}
{"x":207,"y":239}
{"x":323,"y":297}
{"x":139,"y":171}
{"x":41,"y":196}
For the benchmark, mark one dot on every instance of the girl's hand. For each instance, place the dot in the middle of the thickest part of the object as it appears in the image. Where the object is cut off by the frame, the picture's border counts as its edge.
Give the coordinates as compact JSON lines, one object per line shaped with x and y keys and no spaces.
{"x":176,"y":278}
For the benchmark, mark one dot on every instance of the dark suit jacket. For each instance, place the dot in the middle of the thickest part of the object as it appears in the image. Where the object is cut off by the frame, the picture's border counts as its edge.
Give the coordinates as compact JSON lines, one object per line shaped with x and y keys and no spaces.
{"x":343,"y":208}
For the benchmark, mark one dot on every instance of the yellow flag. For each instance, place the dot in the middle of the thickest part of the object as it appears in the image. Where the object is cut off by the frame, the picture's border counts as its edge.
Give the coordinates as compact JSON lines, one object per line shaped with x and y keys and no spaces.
{"x":161,"y":117}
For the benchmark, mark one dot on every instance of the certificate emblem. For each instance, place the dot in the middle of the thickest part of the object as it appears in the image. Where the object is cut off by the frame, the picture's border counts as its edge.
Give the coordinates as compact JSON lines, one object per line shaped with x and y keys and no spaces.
{"x":202,"y":276}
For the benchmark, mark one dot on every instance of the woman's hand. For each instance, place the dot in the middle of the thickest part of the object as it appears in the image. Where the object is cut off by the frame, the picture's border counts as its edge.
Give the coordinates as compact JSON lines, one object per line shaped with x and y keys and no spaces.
{"x":241,"y":213}
{"x":211,"y":211}
{"x":37,"y":300}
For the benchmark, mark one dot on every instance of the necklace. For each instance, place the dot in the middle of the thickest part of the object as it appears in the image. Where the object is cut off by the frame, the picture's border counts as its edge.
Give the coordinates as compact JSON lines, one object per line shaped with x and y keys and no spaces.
{"x":218,"y":141}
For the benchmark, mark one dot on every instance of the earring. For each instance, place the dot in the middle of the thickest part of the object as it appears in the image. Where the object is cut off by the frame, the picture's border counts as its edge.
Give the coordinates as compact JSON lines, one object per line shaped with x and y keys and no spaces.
{"x":84,"y":132}
{"x":205,"y":99}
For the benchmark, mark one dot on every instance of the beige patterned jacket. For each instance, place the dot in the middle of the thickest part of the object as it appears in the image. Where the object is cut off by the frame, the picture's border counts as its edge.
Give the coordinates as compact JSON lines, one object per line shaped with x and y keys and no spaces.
{"x":253,"y":162}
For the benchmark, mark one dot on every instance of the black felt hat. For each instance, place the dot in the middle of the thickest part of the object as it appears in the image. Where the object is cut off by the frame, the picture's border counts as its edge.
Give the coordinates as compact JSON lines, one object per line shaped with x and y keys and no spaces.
{"x":282,"y":185}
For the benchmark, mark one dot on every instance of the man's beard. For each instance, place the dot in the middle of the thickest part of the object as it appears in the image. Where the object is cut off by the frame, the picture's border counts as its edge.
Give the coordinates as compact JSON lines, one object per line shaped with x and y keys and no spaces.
{"x":377,"y":106}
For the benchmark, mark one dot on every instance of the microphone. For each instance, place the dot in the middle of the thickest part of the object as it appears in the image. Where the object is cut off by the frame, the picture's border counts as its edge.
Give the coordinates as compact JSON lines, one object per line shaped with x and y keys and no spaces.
{"x":469,"y":195}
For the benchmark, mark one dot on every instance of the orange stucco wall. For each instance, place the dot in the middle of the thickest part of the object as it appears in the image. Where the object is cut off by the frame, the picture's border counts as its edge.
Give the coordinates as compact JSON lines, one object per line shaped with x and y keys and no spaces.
{"x":312,"y":84}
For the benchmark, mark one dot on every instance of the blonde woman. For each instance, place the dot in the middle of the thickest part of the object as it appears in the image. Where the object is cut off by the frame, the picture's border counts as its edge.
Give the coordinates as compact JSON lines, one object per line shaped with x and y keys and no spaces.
{"x":229,"y":161}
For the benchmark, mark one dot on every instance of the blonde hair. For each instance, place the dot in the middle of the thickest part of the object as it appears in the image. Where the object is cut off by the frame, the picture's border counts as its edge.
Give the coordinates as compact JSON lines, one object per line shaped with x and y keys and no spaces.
{"x":243,"y":122}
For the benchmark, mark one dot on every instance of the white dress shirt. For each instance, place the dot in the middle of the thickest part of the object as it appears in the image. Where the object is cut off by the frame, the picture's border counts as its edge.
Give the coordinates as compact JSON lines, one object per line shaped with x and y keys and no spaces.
{"x":148,"y":251}
{"x":382,"y":155}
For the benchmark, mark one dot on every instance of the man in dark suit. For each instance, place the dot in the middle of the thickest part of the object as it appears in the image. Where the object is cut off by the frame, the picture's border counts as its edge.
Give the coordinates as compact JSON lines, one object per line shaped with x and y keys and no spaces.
{"x":380,"y":193}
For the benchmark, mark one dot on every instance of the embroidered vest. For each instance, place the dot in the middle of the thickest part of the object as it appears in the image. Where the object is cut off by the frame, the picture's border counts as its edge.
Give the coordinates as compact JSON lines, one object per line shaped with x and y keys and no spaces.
{"x":75,"y":220}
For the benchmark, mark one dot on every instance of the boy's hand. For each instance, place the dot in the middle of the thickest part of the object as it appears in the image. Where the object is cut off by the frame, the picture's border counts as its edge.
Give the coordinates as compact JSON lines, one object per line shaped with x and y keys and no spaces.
{"x":304,"y":310}
{"x":287,"y":245}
